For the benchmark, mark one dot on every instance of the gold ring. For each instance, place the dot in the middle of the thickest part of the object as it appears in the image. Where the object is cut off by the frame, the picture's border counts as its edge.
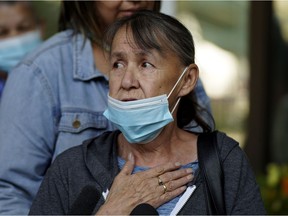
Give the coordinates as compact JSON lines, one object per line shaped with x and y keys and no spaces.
{"x":165,"y":188}
{"x":160,"y":182}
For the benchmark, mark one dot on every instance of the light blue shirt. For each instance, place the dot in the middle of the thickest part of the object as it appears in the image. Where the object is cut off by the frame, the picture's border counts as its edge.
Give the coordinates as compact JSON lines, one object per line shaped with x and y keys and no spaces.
{"x":167,"y":207}
{"x":53,"y":100}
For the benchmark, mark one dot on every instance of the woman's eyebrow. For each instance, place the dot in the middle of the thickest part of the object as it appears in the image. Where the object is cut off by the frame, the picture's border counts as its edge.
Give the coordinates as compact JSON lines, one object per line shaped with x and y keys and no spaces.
{"x":141,"y":53}
{"x":118,"y":55}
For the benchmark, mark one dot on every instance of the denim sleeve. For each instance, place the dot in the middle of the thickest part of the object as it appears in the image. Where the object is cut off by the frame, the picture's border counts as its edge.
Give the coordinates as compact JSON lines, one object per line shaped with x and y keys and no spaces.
{"x":27,"y":128}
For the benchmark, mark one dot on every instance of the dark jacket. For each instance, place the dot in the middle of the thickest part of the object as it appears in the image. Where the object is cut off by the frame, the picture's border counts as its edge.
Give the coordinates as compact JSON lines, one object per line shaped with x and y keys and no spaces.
{"x":95,"y":163}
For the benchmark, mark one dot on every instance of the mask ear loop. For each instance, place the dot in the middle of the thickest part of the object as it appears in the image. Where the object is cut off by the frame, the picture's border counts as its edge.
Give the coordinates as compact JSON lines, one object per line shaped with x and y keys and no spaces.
{"x":179,"y":79}
{"x":177,"y":102}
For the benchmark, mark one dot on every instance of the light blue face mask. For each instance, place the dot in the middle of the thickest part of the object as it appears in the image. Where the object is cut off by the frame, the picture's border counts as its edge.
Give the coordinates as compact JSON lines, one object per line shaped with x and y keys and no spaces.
{"x":141,"y":121}
{"x":12,"y":50}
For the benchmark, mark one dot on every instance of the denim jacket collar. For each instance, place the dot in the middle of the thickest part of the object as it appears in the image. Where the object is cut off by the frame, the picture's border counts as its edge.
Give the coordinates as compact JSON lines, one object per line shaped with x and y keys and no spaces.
{"x":83,"y":60}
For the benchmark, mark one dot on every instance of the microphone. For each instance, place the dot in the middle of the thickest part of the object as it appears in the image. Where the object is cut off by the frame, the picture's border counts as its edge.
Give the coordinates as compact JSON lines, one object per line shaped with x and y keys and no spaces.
{"x":144,"y":209}
{"x":85,"y":202}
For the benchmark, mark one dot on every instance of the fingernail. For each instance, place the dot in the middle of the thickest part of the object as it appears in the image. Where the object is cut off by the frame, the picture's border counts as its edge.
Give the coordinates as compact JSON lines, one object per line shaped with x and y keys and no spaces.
{"x":183,"y":188}
{"x":131,"y":157}
{"x":189,"y":170}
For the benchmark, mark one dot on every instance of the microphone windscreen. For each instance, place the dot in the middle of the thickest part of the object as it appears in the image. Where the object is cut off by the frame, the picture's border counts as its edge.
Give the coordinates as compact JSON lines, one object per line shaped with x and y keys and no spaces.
{"x":144,"y":209}
{"x":85,"y":202}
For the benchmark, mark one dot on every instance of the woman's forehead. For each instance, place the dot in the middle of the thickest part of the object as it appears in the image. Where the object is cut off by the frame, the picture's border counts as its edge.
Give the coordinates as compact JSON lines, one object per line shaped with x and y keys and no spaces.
{"x":124,"y":37}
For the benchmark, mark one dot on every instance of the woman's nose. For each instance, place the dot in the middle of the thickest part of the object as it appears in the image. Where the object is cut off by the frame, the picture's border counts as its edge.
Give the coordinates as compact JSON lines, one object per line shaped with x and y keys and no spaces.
{"x":130,"y":79}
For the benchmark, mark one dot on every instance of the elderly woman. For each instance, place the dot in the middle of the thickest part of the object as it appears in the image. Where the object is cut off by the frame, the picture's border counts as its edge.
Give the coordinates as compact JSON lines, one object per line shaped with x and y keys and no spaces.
{"x":59,"y":96}
{"x":151,"y":158}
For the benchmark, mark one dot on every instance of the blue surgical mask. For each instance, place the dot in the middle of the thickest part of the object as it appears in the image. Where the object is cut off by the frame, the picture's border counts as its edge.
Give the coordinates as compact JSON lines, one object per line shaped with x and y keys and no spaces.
{"x":141,"y":121}
{"x":12,"y":50}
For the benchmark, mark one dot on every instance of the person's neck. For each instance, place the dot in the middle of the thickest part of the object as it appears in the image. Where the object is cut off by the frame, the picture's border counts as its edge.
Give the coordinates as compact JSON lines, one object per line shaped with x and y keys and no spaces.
{"x":172,"y":145}
{"x":100,"y":59}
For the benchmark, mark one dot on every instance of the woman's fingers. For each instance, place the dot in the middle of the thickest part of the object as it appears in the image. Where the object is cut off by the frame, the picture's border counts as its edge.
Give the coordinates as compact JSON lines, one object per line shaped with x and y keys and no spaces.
{"x":129,"y":165}
{"x":159,"y":170}
{"x":169,"y":176}
{"x":162,"y":188}
{"x":171,"y":189}
{"x":166,"y":173}
{"x":177,"y":183}
{"x":167,"y":191}
{"x":154,"y":186}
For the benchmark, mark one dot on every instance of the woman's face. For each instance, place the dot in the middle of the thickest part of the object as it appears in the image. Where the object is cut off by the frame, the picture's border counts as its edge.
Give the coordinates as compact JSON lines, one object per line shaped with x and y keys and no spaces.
{"x":138,"y":74}
{"x":113,"y":10}
{"x":16,"y":19}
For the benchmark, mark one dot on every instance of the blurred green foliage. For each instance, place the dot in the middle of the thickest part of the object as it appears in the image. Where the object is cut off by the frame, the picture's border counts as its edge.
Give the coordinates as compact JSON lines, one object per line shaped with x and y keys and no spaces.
{"x":274,"y":189}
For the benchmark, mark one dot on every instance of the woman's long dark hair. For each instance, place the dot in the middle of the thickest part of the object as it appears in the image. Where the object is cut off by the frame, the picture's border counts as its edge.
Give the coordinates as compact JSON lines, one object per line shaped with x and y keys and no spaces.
{"x":83,"y":17}
{"x":153,"y":30}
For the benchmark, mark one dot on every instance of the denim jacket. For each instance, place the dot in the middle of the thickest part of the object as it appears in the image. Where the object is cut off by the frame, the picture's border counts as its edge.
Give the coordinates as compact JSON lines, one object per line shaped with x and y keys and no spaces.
{"x":53,"y":100}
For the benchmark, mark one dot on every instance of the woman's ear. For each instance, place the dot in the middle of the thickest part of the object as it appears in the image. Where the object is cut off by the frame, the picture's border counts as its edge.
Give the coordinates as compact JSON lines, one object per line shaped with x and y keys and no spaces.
{"x":190,"y":79}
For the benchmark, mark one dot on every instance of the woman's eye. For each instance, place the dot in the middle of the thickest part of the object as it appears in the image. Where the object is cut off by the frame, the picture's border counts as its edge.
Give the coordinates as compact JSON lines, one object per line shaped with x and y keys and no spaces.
{"x":146,"y":65}
{"x":117,"y":65}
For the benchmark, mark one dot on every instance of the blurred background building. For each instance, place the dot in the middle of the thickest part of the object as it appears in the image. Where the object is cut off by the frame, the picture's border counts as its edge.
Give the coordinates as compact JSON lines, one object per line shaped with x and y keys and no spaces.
{"x":241,"y":50}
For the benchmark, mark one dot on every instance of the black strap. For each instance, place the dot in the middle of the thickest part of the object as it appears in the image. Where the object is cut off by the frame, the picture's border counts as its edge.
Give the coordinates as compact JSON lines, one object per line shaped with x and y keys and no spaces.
{"x":211,"y":170}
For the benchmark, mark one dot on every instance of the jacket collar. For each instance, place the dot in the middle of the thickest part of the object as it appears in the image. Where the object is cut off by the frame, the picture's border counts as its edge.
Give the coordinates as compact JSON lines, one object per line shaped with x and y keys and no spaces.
{"x":100,"y":155}
{"x":84,"y":68}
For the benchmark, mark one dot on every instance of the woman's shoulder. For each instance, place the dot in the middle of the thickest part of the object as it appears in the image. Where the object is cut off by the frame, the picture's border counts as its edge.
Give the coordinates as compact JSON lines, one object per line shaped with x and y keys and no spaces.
{"x":70,"y":156}
{"x":53,"y":48}
{"x":47,"y":56}
{"x":90,"y":154}
{"x":226,"y":144}
{"x":103,"y":143}
{"x":57,"y":58}
{"x":56,"y":49}
{"x":225,"y":141}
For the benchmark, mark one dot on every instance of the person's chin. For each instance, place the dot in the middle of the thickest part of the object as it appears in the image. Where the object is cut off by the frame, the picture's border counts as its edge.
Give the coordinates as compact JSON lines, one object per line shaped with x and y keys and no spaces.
{"x":126,"y":13}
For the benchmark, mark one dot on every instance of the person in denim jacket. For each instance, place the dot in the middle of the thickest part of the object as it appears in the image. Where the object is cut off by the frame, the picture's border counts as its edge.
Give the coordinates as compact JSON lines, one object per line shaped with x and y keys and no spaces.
{"x":21,"y":31}
{"x":56,"y":97}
